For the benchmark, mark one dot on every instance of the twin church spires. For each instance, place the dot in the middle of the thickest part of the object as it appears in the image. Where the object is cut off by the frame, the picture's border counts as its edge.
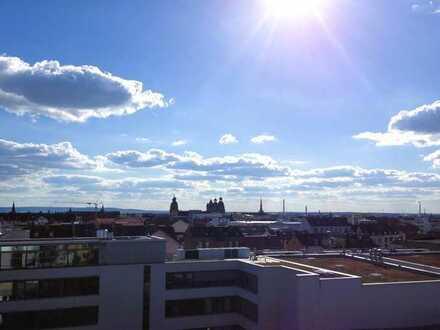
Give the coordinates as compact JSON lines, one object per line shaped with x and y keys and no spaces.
{"x":211,"y":206}
{"x":215,"y":207}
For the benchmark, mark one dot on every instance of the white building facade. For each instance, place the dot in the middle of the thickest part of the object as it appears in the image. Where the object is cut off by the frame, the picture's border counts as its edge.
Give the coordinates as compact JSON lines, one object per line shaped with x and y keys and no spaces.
{"x":125,"y":283}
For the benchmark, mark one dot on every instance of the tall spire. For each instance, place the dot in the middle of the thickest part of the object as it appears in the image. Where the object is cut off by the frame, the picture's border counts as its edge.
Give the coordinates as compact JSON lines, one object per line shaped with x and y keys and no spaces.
{"x":174,"y":207}
{"x":13,"y":208}
{"x":261,"y":211}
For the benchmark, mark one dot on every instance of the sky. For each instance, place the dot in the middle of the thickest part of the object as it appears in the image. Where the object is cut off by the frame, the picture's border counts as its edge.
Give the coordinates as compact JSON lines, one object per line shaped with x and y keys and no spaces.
{"x":334,"y":104}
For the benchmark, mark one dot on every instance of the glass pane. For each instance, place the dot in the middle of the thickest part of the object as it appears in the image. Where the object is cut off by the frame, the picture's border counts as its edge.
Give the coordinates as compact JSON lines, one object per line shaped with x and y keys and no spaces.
{"x":5,"y":291}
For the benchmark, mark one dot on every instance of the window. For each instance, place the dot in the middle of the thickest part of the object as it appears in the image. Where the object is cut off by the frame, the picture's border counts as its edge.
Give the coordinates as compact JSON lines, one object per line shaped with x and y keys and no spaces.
{"x":191,"y":254}
{"x":218,"y":278}
{"x":147,"y":283}
{"x":48,"y":288}
{"x":47,"y":256}
{"x":231,"y":253}
{"x":215,"y":305}
{"x":6,"y":292}
{"x":226,"y":327}
{"x":46,"y":319}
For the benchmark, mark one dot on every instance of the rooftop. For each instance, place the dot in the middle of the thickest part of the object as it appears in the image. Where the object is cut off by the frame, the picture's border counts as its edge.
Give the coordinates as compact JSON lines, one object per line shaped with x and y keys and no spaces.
{"x":424,"y":259}
{"x":368,"y":271}
{"x":79,"y":240}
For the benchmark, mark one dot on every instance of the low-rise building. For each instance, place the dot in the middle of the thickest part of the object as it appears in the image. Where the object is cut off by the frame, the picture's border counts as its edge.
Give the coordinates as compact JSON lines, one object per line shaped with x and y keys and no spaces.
{"x":329,"y":225}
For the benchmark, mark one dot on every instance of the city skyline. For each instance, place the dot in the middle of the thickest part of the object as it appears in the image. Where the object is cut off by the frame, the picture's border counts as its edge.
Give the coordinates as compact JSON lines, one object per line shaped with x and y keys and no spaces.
{"x":333,"y":105}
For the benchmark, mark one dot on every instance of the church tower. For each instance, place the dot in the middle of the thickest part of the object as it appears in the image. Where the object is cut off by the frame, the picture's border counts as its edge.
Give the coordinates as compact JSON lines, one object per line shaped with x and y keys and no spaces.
{"x":13,"y":208}
{"x":174,"y":207}
{"x":261,"y":211}
{"x":221,"y":206}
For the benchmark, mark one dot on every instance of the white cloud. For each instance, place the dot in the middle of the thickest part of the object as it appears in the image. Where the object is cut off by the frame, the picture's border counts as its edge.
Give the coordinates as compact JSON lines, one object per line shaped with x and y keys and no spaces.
{"x":95,"y":183}
{"x":133,"y":158}
{"x":426,"y":7}
{"x":434,"y":158}
{"x":70,"y":93}
{"x":419,"y":127}
{"x":260,"y":139}
{"x":179,"y":143}
{"x":246,"y":165}
{"x":46,"y":172}
{"x":25,"y":158}
{"x":228,"y":139}
{"x":143,"y":140}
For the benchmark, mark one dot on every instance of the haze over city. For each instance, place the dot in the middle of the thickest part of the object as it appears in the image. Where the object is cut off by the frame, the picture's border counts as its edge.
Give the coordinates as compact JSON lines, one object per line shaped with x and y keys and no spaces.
{"x":334,"y":104}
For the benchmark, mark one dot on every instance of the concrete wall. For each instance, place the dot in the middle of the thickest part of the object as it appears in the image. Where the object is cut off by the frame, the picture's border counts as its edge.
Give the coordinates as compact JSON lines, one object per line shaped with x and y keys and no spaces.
{"x":120,"y":297}
{"x":346,"y":303}
{"x":159,"y":295}
{"x":132,"y":251}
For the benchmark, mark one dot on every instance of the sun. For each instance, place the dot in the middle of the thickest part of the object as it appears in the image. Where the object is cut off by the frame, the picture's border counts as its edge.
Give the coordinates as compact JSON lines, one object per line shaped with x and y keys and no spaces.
{"x":291,"y":9}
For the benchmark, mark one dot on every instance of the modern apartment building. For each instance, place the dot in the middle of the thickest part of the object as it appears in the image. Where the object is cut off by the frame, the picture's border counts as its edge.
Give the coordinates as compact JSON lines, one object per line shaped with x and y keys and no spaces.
{"x":125,"y":283}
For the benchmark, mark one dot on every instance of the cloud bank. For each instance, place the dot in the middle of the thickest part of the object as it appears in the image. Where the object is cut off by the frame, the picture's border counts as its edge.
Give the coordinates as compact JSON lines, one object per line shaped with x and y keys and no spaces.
{"x":60,"y":171}
{"x":26,"y":158}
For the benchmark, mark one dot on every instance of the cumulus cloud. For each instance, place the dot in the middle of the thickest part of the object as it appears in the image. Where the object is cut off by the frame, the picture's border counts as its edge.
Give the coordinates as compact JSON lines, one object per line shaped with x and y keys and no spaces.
{"x":60,"y":170}
{"x":246,"y":165}
{"x":260,"y":139}
{"x":228,"y":139}
{"x":70,"y":93}
{"x":25,"y":158}
{"x":419,"y":127}
{"x":179,"y":143}
{"x":133,"y":158}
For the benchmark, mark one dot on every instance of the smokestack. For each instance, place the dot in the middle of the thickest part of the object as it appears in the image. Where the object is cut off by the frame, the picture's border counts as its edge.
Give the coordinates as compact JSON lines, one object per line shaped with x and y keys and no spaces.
{"x":284,"y":206}
{"x":420,"y":208}
{"x":306,"y":211}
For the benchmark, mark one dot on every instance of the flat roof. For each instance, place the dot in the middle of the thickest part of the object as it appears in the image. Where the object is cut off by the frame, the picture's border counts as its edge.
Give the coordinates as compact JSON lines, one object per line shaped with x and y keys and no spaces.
{"x":430,"y":259}
{"x":323,"y":273}
{"x":368,"y":271}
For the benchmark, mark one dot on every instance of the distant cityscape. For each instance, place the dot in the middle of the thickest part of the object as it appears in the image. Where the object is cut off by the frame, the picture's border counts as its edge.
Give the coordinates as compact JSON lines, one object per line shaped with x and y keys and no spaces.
{"x":214,"y":269}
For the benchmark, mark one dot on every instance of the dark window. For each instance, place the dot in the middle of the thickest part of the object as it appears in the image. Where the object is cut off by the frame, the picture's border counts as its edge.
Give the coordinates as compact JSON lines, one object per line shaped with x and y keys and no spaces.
{"x":147,"y":283}
{"x":6,"y":291}
{"x":48,"y":288}
{"x":225,"y":327}
{"x":46,"y":319}
{"x":206,"y":306}
{"x":231,"y":253}
{"x":218,"y":278}
{"x":192,"y":254}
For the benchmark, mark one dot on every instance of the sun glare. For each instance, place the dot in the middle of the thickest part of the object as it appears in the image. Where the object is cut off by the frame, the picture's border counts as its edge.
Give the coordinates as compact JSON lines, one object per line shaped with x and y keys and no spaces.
{"x":291,"y":9}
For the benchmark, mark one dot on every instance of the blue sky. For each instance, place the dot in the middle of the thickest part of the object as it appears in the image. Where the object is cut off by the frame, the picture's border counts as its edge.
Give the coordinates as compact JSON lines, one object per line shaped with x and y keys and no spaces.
{"x":321,"y":94}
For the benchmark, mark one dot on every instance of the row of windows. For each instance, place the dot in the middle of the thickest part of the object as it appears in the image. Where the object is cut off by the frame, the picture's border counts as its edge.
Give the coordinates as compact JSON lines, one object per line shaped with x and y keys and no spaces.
{"x":229,"y":254}
{"x":70,"y":247}
{"x":218,"y":278}
{"x":48,"y":288}
{"x":226,"y":327}
{"x":48,"y":256}
{"x":147,"y":290}
{"x":215,"y":305}
{"x":46,"y":319}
